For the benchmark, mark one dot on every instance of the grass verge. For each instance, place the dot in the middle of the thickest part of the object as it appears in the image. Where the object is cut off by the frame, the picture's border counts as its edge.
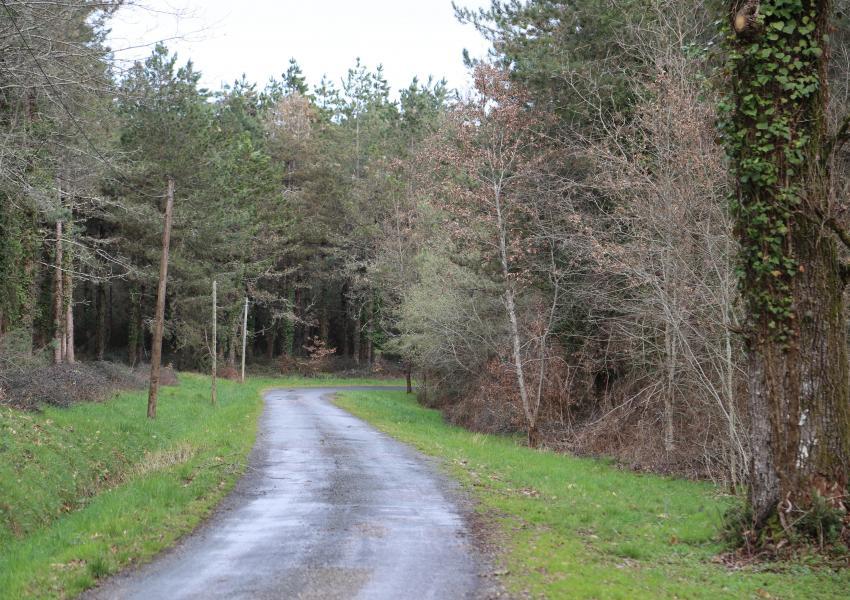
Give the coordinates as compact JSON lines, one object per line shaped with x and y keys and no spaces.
{"x":87,"y":490}
{"x":581,"y":528}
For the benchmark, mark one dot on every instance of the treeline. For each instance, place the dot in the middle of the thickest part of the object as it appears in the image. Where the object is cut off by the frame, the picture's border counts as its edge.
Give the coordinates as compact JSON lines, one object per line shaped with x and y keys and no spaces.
{"x":562,"y":251}
{"x":281,"y":195}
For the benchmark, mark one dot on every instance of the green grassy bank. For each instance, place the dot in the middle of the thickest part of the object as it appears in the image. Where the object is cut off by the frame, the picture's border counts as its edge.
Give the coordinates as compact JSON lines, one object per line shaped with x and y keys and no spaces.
{"x":89,"y":489}
{"x":581,"y":528}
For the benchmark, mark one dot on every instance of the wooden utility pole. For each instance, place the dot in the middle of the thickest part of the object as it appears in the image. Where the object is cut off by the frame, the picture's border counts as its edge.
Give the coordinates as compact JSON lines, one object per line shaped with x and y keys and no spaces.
{"x":244,"y":337}
{"x":159,"y":318}
{"x":214,"y":345}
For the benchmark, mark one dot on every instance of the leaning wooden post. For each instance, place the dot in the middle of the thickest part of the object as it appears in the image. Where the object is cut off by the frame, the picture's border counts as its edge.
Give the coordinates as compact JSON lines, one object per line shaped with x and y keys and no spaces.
{"x":244,"y":337}
{"x":214,"y":345}
{"x":159,"y":317}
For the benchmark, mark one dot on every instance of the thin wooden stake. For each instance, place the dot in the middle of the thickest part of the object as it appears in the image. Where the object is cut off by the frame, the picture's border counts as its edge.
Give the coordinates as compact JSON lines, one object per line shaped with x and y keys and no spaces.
{"x":159,"y":317}
{"x":244,"y":337}
{"x":214,"y":344}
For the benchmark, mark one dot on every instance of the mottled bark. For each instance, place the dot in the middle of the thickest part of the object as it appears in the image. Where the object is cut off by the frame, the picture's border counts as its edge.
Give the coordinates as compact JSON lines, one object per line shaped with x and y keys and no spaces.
{"x":799,"y":392}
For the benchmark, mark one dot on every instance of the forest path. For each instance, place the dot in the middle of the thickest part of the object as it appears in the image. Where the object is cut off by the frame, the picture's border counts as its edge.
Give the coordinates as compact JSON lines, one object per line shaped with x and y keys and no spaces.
{"x":329,"y":508}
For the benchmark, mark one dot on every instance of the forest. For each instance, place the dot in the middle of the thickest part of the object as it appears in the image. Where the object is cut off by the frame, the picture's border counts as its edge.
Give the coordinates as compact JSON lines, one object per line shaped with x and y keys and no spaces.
{"x":628,"y":240}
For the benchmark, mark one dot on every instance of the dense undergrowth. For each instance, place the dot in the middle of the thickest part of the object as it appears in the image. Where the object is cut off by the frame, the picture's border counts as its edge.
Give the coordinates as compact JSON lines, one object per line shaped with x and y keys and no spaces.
{"x":582,"y":528}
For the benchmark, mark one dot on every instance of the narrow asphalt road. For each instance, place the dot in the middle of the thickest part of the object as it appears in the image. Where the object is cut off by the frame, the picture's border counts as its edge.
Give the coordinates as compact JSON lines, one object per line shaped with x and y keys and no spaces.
{"x":329,"y":508}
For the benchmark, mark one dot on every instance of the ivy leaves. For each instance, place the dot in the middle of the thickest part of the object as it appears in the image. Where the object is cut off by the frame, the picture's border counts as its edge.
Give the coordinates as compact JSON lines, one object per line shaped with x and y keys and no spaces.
{"x":774,"y":74}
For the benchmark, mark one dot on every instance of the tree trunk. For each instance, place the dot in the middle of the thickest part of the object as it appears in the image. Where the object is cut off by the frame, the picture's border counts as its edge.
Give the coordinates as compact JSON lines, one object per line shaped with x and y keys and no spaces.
{"x":324,"y":324}
{"x":510,"y":308}
{"x":214,"y":346}
{"x":159,"y":317}
{"x":298,"y":329}
{"x":135,"y":326}
{"x":355,"y":338}
{"x":409,"y":381}
{"x":68,"y":292}
{"x":100,"y":316}
{"x":792,"y":274}
{"x":58,"y":304}
{"x":802,"y":388}
{"x":737,"y":456}
{"x":70,"y":356}
{"x":670,"y":389}
{"x":370,"y":333}
{"x":231,"y":347}
{"x":425,"y":387}
{"x":271,"y":338}
{"x":244,"y":340}
{"x":31,"y":305}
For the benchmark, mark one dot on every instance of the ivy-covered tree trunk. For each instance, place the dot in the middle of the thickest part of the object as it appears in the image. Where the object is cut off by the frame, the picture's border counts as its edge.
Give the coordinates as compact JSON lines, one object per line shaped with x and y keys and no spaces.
{"x":791,"y":270}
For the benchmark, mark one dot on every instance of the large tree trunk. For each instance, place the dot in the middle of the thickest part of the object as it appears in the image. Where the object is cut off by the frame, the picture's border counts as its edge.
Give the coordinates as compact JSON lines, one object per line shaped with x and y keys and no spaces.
{"x":799,"y":399}
{"x":799,"y":391}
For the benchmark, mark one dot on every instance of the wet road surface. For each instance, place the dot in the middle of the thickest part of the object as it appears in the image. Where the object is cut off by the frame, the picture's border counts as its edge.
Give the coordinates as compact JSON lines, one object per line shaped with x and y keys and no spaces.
{"x":329,"y":508}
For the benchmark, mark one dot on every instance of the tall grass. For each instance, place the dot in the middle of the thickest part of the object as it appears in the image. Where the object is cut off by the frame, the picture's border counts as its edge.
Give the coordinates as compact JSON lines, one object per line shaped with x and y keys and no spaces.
{"x":89,"y":489}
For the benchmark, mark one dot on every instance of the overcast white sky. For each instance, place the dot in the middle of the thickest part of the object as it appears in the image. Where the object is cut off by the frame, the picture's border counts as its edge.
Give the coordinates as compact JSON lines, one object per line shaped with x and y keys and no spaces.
{"x":257,"y":37}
